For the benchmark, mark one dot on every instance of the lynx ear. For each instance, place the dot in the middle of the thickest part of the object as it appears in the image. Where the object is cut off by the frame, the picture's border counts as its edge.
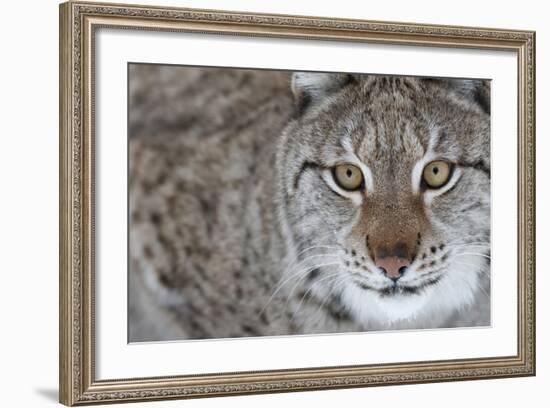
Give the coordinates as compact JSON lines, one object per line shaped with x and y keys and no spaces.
{"x":310,"y":88}
{"x":476,"y":90}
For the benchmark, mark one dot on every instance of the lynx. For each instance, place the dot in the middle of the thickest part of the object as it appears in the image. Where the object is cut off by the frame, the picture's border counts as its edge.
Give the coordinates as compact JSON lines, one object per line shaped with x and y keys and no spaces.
{"x":272,"y":203}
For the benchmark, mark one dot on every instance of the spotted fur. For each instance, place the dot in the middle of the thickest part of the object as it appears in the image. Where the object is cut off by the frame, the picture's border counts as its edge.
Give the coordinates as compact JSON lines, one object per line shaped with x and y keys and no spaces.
{"x":236,"y":226}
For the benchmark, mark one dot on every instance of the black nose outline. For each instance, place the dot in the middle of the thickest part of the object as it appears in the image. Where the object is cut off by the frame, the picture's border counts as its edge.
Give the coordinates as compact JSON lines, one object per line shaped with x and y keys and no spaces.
{"x":402,"y":271}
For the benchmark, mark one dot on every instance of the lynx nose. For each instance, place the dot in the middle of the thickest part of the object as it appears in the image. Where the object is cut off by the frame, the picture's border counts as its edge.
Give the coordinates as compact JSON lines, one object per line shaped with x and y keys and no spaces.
{"x":393,"y":266}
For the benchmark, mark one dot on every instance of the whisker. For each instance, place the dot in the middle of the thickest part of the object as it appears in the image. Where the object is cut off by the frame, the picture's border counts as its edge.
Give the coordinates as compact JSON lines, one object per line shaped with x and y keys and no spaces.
{"x":311,"y":248}
{"x":333,"y":276}
{"x":478,"y":286}
{"x":296,"y":275}
{"x":468,"y":246}
{"x":429,"y":274}
{"x":478,"y":268}
{"x":284,"y":275}
{"x":468,"y":243}
{"x":338,"y":283}
{"x":472,"y":254}
{"x":467,"y":264}
{"x":300,"y":280}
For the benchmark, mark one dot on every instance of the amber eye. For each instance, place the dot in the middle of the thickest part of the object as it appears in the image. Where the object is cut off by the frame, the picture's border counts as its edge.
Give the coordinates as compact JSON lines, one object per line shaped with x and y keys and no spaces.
{"x":437,"y":173}
{"x":348,"y":176}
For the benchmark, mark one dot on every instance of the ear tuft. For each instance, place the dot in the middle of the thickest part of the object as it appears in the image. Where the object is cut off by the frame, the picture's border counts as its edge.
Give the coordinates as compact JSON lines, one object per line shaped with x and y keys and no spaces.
{"x":310,"y":88}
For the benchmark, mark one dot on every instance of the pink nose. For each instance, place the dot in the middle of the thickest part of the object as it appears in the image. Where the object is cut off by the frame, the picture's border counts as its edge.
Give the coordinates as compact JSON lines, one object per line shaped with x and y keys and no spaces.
{"x":392,"y":266}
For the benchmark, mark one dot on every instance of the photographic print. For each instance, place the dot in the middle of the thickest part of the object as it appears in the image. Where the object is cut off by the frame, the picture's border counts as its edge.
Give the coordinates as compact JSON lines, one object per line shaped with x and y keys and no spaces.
{"x":321,"y":203}
{"x":271,"y":203}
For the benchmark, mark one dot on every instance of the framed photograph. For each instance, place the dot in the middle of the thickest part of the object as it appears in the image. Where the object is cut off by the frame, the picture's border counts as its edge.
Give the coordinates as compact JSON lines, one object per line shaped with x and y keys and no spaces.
{"x":256,"y":203}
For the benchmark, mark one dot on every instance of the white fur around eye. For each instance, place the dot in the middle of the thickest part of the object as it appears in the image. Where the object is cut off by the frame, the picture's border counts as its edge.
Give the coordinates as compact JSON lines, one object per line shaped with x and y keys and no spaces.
{"x":416,"y":175}
{"x":355,"y":196}
{"x":430,"y":194}
{"x":348,"y":176}
{"x":352,"y":158}
{"x":437,"y":173}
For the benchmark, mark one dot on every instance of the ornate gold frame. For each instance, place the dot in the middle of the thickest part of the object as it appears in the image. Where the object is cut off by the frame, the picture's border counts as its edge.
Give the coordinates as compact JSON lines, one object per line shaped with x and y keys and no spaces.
{"x":78,"y":22}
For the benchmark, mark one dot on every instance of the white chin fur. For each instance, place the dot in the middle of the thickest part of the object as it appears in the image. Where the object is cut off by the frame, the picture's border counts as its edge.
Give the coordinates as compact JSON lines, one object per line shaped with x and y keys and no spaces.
{"x":456,"y":290}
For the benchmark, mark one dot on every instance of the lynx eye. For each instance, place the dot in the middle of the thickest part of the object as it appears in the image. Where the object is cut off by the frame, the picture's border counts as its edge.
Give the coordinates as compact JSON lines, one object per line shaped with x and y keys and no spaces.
{"x":348,"y":176}
{"x":437,"y":173}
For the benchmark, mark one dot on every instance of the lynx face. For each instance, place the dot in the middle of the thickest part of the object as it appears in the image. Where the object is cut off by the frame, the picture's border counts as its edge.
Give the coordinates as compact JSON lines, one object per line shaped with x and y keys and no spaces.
{"x":385,"y":192}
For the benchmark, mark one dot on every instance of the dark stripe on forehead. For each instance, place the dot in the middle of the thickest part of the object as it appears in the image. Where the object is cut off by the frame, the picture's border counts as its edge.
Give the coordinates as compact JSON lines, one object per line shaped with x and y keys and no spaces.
{"x":422,"y":129}
{"x":388,"y":129}
{"x":441,"y":138}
